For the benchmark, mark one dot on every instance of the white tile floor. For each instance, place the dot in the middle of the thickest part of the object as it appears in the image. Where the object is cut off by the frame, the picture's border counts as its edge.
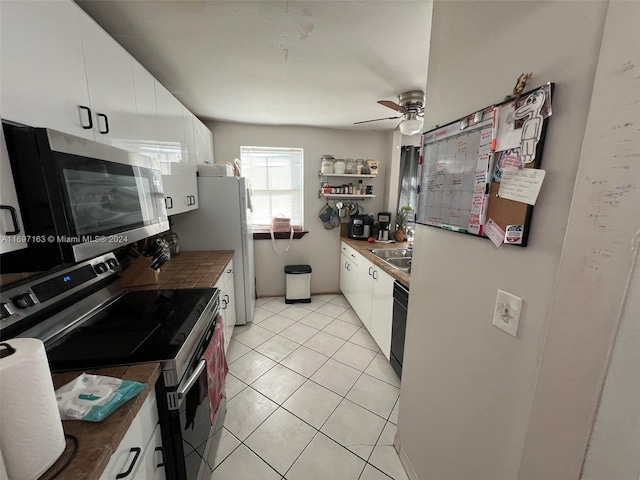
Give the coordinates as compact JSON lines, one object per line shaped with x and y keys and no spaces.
{"x":310,"y":396}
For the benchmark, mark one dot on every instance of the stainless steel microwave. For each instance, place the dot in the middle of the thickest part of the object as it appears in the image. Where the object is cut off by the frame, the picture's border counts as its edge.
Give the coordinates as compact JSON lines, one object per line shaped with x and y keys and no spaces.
{"x":78,"y":198}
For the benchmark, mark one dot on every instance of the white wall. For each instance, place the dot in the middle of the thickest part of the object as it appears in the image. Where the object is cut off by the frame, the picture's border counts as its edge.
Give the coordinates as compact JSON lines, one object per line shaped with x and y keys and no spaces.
{"x":320,"y":248}
{"x":596,"y":292}
{"x":468,"y":388}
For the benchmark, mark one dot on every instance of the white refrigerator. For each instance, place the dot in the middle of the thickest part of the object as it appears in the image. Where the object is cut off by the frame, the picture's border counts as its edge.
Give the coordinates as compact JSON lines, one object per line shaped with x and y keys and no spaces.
{"x":223,"y":222}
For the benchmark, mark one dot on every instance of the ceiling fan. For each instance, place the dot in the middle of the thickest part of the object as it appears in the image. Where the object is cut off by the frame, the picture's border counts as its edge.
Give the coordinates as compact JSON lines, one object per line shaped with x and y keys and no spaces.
{"x":411,"y":106}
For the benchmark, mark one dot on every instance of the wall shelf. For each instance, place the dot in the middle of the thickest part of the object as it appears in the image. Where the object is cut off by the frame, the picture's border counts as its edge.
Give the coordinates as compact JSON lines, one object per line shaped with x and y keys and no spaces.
{"x":345,"y":195}
{"x":344,"y":175}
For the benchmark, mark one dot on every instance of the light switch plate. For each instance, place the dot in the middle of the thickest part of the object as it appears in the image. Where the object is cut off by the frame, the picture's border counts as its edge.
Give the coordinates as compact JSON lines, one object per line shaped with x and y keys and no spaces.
{"x":506,"y":314}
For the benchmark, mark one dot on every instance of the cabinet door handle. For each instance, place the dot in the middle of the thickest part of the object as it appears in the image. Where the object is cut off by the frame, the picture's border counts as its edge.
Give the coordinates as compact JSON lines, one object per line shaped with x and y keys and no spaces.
{"x":106,"y":123}
{"x":226,"y":298}
{"x":225,"y":303}
{"x":370,"y":270}
{"x":161,"y":450}
{"x":137,"y":452}
{"x":89,"y":126}
{"x":229,"y":271}
{"x":14,"y":219}
{"x":168,"y":202}
{"x":193,"y":199}
{"x":375,"y":274}
{"x":353,"y":256}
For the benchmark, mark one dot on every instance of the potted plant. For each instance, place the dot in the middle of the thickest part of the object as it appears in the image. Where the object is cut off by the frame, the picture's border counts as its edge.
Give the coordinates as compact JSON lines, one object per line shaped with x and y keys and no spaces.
{"x":402,"y":217}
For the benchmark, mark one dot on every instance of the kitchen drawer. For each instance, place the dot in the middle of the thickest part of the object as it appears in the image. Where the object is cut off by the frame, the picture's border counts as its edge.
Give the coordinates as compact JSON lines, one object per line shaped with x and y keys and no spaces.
{"x":350,"y":253}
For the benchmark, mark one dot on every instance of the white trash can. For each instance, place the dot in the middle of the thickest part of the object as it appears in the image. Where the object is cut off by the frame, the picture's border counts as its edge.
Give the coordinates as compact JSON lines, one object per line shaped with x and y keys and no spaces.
{"x":298,"y":279}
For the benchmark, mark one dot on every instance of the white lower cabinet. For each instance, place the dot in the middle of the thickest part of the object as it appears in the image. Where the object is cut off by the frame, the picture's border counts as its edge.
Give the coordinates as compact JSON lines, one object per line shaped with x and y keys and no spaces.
{"x":382,"y":310}
{"x":370,"y":293}
{"x":365,"y":292}
{"x":227,"y":303}
{"x":130,"y":460}
{"x":349,"y":278}
{"x":153,"y":460}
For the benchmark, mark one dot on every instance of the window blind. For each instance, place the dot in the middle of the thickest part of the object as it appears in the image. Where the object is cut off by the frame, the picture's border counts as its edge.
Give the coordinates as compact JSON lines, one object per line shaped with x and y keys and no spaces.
{"x":276,"y":176}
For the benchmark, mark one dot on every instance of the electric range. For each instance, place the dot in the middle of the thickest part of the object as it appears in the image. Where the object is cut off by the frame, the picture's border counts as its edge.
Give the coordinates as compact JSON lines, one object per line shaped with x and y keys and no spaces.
{"x":87,"y":320}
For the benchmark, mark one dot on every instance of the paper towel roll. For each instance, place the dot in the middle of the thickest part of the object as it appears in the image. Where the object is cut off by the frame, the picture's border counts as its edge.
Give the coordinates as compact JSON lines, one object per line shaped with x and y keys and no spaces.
{"x":31,"y":437}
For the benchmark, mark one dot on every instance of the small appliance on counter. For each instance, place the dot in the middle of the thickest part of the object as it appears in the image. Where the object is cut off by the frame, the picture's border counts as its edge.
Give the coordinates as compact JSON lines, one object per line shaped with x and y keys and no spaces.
{"x":360,"y":227}
{"x":384,"y":223}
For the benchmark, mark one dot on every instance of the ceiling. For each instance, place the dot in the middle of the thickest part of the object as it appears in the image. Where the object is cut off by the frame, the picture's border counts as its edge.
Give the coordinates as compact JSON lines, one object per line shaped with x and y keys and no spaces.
{"x":314,"y":63}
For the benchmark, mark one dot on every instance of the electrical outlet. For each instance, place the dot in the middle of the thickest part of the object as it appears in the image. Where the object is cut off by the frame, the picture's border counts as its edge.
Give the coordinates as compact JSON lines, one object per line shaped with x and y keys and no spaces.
{"x":506,"y":314}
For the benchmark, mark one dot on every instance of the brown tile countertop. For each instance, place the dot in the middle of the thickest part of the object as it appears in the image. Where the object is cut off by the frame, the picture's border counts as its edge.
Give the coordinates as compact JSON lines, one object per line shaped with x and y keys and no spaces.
{"x":191,"y":270}
{"x":362,"y":247}
{"x":98,"y":441}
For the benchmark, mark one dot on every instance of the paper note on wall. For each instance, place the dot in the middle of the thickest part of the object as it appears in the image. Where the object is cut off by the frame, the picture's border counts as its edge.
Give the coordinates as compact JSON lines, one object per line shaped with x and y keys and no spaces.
{"x":508,"y":136}
{"x":521,"y":185}
{"x":494,"y":232}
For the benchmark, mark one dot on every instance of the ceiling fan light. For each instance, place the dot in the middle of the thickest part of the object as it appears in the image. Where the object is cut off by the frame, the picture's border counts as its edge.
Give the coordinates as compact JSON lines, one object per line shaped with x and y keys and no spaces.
{"x":411,"y":126}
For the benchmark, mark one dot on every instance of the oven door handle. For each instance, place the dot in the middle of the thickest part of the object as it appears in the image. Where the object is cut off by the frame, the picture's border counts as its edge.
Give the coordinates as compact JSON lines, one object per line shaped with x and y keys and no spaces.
{"x":182,"y":391}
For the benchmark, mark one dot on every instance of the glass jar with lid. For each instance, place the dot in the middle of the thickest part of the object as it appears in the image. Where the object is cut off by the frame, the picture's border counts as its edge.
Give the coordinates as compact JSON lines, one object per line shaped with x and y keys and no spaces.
{"x":327,"y":164}
{"x":359,"y":165}
{"x":339,"y":166}
{"x":350,"y":166}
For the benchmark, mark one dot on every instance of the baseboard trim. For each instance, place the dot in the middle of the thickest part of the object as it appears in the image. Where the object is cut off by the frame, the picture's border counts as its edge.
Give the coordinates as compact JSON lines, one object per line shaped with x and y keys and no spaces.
{"x":404,"y":459}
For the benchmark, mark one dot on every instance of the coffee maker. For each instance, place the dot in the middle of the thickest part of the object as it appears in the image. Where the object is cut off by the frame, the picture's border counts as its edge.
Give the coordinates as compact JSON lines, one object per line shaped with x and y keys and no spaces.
{"x":384,"y":224}
{"x":360,"y":227}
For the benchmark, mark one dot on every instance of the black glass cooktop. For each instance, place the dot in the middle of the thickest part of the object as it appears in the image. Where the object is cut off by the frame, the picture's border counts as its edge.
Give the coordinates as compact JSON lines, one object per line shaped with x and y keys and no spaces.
{"x":139,"y":327}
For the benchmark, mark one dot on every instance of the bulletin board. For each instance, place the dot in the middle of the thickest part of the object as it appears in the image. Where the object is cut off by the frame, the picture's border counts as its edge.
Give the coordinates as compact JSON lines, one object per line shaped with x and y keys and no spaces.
{"x":480,"y":175}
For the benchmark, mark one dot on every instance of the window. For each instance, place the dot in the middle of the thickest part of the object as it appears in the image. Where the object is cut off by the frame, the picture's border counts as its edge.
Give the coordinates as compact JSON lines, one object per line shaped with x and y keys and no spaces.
{"x":276,"y":181}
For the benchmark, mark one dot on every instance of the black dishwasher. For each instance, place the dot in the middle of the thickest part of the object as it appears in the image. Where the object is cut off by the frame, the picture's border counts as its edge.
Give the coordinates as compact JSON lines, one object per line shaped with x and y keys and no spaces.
{"x":398,"y":328}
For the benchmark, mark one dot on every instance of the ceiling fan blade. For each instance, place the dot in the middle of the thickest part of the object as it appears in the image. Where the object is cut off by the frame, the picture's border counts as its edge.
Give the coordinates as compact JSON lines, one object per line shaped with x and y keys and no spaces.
{"x":392,"y":105}
{"x":377,"y":120}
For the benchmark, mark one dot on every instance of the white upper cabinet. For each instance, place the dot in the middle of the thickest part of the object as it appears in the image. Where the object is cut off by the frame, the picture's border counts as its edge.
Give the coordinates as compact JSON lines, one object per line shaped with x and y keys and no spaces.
{"x":176,"y":139}
{"x":109,"y":70}
{"x":61,"y":70}
{"x":170,"y":131}
{"x":145,"y":90}
{"x":189,"y":147}
{"x":190,"y":157}
{"x":204,"y":142}
{"x":42,"y":70}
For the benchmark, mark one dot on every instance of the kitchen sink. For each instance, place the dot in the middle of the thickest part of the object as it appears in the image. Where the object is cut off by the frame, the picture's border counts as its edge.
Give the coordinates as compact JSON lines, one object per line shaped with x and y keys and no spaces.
{"x":400,"y":263}
{"x":398,"y":258}
{"x":385,"y":253}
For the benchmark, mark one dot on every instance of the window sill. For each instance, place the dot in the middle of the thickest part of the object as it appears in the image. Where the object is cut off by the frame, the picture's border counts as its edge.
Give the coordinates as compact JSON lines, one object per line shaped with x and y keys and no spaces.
{"x":266,"y":235}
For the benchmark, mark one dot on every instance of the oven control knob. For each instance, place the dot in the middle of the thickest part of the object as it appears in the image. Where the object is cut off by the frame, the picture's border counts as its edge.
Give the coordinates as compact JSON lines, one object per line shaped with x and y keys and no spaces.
{"x":113,"y":263}
{"x":23,"y":301}
{"x":100,"y":267}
